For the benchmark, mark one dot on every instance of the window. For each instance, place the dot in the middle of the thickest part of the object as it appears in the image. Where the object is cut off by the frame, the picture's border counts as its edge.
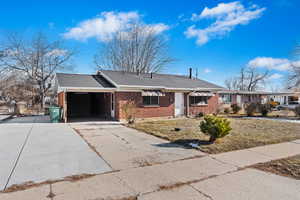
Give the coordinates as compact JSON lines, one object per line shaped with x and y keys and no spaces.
{"x":150,"y":100}
{"x":226,"y":98}
{"x":198,"y":100}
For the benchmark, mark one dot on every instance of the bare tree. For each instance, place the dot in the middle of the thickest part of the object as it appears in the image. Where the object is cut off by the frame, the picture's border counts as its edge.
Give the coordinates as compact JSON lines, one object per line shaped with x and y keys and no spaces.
{"x":140,"y":48}
{"x":15,"y":88}
{"x":232,"y":83}
{"x":249,"y":79}
{"x":294,"y":76}
{"x":36,"y":60}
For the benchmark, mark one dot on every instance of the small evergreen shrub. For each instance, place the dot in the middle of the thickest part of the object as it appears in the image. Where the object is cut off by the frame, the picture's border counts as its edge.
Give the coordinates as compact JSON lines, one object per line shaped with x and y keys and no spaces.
{"x":251,"y":109}
{"x":215,"y":127}
{"x":297,"y":111}
{"x":264,"y":109}
{"x":235,"y":108}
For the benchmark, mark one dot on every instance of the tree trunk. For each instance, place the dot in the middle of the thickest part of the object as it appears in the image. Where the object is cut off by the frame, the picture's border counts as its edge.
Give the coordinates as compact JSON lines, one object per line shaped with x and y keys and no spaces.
{"x":212,"y":139}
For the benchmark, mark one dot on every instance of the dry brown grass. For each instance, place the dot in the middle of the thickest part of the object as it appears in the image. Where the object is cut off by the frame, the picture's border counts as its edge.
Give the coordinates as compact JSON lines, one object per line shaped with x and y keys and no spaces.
{"x":246,"y":133}
{"x":31,"y":184}
{"x":289,"y":167}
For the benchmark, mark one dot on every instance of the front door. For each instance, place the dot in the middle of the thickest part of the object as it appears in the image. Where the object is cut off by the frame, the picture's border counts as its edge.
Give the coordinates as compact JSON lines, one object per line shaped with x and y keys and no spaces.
{"x":179,"y":104}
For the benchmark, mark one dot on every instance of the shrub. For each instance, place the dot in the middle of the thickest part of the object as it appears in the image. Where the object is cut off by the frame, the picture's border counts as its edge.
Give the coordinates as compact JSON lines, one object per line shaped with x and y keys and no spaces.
{"x":235,"y":108}
{"x":264,"y":109}
{"x":297,"y":111}
{"x":215,"y":127}
{"x":200,"y":114}
{"x":129,"y":110}
{"x":226,"y":110}
{"x":251,"y":109}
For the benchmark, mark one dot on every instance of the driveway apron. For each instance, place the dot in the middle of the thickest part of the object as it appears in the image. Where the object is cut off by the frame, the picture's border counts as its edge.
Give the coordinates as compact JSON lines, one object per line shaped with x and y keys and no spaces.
{"x":52,"y":151}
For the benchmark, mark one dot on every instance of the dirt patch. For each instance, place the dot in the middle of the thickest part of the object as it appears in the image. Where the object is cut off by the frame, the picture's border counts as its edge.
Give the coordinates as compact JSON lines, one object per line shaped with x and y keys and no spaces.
{"x":246,"y":133}
{"x":289,"y":167}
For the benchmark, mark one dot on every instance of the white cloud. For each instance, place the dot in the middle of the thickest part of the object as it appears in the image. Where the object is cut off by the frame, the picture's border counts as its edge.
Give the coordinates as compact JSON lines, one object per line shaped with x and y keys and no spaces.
{"x":227,"y":16}
{"x":158,"y":28}
{"x":57,"y":52}
{"x":280,"y":64}
{"x":275,"y":76}
{"x":207,"y":70}
{"x":106,"y":24}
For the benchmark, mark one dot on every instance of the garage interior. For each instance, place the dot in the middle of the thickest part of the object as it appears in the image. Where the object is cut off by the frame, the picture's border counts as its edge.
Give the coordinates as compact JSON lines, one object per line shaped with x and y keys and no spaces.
{"x":88,"y":105}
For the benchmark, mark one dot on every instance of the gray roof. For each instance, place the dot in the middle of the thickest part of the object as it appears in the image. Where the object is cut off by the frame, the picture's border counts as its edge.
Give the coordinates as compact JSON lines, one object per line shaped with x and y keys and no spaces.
{"x":82,"y":80}
{"x":157,"y":80}
{"x":132,"y":79}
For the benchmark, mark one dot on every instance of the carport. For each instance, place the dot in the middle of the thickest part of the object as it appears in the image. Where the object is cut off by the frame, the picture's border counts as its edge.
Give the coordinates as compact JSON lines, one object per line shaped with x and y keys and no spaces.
{"x":85,"y":97}
{"x":89,"y":105}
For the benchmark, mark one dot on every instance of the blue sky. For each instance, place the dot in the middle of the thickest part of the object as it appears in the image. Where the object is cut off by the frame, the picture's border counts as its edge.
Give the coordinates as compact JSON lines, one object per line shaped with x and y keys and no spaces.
{"x":217,"y":37}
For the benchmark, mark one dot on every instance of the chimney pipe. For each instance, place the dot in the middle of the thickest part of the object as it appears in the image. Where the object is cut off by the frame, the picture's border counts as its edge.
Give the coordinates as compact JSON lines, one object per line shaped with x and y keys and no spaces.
{"x":190,"y":73}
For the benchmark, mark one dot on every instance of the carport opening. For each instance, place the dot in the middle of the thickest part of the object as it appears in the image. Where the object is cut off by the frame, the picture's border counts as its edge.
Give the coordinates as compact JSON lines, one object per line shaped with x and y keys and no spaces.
{"x":88,"y":105}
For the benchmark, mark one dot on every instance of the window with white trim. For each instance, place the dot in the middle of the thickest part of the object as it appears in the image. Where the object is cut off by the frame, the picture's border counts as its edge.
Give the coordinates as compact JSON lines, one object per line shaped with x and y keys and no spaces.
{"x":198,"y":100}
{"x":150,"y":100}
{"x":226,"y":98}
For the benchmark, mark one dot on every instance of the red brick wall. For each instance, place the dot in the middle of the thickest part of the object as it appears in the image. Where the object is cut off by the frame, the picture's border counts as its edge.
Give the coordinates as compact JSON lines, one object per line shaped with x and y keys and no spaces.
{"x":206,"y":109}
{"x":165,"y":108}
{"x":61,"y":99}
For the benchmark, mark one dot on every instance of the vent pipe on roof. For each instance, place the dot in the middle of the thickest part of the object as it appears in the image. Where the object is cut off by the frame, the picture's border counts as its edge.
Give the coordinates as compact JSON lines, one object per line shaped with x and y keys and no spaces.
{"x":191,"y":71}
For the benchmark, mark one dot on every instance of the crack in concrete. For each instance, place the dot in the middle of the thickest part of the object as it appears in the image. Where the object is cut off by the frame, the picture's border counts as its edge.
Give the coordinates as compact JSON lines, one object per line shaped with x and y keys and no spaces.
{"x":91,"y":146}
{"x":19,"y":155}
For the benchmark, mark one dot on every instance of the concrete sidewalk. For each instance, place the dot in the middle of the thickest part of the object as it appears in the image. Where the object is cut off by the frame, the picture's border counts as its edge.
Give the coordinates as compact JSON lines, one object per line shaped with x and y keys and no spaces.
{"x":218,"y":177}
{"x":4,"y":117}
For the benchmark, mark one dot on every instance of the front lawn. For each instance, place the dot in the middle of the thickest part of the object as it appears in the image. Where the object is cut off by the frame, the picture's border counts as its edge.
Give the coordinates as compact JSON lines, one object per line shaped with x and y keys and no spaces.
{"x":246,"y":133}
{"x":285,"y":167}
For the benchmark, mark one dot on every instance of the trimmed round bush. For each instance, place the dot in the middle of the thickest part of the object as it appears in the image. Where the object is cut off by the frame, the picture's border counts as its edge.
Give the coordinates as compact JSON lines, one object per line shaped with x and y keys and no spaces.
{"x":264,"y":109}
{"x":251,"y":109}
{"x":235,"y":108}
{"x":297,"y":111}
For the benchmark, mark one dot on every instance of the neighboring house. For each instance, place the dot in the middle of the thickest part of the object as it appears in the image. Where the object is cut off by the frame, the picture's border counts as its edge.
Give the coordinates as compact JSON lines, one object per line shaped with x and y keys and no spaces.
{"x":228,"y":97}
{"x":241,"y":97}
{"x":155,"y":95}
{"x":285,"y":98}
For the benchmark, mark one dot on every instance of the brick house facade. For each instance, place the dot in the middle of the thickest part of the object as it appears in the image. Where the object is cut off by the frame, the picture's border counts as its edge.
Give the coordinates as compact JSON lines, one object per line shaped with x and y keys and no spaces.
{"x":104,"y":95}
{"x":164,"y":109}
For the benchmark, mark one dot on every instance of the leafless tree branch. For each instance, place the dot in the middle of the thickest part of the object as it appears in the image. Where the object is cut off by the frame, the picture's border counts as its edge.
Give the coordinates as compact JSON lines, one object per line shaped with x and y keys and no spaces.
{"x":138,"y":49}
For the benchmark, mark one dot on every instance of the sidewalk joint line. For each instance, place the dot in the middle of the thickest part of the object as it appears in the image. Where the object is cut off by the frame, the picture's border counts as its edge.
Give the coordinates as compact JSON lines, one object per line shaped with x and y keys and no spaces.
{"x":204,"y":194}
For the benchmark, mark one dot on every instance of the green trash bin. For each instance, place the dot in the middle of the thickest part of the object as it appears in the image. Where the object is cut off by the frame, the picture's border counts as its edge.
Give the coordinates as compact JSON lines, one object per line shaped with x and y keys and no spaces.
{"x":54,"y":114}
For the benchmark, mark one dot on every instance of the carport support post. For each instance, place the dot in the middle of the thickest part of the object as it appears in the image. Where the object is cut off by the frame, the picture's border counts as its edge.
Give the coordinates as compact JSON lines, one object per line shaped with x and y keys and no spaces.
{"x":65,"y":107}
{"x":187,"y":105}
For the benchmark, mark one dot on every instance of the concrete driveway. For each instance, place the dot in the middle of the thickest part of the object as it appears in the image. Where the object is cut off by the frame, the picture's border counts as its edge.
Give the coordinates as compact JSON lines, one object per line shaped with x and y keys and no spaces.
{"x":125,"y":148}
{"x":39,"y":151}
